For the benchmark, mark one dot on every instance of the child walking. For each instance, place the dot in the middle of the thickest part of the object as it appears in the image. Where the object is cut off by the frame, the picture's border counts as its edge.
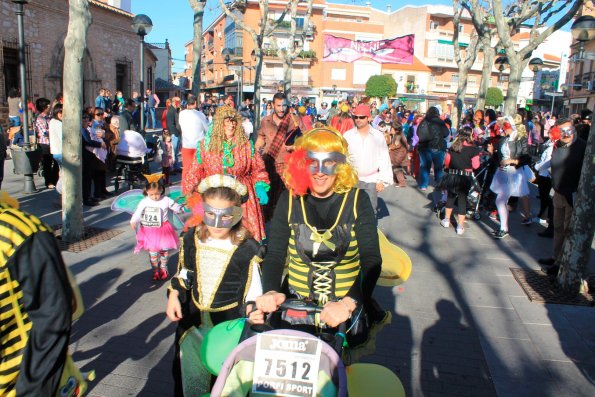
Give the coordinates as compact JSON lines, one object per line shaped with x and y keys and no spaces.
{"x":154,"y":232}
{"x":218,"y":272}
{"x":167,"y":158}
{"x":461,"y":159}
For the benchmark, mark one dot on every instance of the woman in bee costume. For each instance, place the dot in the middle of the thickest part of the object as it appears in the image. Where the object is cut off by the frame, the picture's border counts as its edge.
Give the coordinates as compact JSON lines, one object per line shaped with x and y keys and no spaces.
{"x":326,"y":228}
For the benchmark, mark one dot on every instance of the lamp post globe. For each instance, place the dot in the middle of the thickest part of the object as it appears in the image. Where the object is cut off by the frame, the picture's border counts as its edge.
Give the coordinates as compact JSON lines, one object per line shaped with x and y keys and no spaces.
{"x":142,"y":25}
{"x":583,"y":28}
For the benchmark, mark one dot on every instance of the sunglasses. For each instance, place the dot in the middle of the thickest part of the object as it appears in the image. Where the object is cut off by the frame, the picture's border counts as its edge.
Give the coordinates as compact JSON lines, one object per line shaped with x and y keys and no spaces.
{"x":360,"y":117}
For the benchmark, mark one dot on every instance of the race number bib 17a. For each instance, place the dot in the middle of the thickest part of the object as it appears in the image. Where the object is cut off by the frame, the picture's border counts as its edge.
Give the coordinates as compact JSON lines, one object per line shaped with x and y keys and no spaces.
{"x":151,"y":217}
{"x":286,"y":365}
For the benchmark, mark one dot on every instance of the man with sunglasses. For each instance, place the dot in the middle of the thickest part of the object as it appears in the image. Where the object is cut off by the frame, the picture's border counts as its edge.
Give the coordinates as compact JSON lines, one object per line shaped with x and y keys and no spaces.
{"x":566,"y":164}
{"x":369,"y":154}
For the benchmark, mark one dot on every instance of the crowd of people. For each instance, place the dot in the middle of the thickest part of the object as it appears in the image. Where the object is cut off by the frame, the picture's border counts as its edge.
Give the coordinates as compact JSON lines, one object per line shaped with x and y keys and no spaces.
{"x":305,"y":184}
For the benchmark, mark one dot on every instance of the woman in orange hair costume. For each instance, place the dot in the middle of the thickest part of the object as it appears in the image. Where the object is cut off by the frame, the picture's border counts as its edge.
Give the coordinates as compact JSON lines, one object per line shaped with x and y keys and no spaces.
{"x":327,"y":229}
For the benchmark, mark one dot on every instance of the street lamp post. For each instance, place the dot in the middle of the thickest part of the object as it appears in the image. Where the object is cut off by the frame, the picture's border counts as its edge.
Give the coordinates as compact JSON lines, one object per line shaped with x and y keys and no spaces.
{"x":227,"y":57}
{"x":142,"y":25}
{"x":29,"y":186}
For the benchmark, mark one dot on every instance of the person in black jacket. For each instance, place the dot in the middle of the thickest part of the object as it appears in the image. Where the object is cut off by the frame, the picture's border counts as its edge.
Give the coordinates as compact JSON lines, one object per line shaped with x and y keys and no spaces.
{"x":126,"y":118}
{"x":173,"y":126}
{"x":566,"y":165}
{"x":432,"y":133}
{"x":90,"y":161}
{"x":36,"y":305}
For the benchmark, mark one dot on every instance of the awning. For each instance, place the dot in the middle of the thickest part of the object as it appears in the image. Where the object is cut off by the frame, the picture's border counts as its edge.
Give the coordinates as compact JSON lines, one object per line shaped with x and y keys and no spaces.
{"x":451,"y":43}
{"x":162,"y":85}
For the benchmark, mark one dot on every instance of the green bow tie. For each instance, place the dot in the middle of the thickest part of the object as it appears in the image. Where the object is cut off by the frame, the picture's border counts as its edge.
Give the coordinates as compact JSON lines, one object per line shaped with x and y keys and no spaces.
{"x":321,"y":239}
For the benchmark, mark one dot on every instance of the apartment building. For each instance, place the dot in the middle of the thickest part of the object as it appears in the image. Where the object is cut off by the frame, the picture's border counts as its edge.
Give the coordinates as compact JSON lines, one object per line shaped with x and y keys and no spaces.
{"x":109,"y":61}
{"x":580,"y":88}
{"x":428,"y":78}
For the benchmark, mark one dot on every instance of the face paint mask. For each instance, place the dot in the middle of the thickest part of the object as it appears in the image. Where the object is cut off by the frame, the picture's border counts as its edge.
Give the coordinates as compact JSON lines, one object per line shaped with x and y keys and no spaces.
{"x":325,"y":162}
{"x":224,"y":218}
{"x":566,"y":132}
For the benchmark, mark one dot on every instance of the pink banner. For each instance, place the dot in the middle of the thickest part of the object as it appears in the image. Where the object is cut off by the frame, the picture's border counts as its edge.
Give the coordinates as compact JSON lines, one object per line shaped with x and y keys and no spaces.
{"x":397,"y":50}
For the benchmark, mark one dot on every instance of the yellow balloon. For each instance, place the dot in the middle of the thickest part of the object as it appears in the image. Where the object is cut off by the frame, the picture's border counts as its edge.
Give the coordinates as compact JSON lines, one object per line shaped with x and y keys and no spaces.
{"x":366,"y":380}
{"x":396,"y":264}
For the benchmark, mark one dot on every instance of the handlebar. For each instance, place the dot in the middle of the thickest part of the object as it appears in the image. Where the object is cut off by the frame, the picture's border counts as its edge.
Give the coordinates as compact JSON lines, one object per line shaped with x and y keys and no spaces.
{"x":300,"y":305}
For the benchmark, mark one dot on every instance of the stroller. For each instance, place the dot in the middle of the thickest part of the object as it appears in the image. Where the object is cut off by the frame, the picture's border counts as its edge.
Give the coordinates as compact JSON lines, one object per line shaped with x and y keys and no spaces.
{"x":293,"y":363}
{"x":476,"y":193}
{"x":133,"y":156}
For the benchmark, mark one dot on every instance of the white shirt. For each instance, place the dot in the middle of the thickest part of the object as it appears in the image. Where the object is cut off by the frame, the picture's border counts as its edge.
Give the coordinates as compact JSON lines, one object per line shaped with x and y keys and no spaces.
{"x":543,"y":166}
{"x":369,"y":155}
{"x":248,"y":127}
{"x":56,"y":136}
{"x":194,"y":125}
{"x":164,"y":205}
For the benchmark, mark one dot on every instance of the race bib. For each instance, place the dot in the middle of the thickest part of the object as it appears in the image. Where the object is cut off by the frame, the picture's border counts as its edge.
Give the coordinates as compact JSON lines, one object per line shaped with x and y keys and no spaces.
{"x":151,"y":217}
{"x":286,"y":365}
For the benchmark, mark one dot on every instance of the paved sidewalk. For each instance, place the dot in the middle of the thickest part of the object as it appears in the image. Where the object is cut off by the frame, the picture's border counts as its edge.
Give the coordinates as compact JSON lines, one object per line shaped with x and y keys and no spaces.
{"x":461,"y":325}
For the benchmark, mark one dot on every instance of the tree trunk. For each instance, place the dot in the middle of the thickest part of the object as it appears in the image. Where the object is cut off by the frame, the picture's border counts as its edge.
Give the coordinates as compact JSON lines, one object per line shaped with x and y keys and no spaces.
{"x":577,"y":243}
{"x":75,"y":45}
{"x":486,"y":74}
{"x":198,"y":7}
{"x":258,"y":72}
{"x":287,"y":72}
{"x":461,"y":90}
{"x":514,"y":84}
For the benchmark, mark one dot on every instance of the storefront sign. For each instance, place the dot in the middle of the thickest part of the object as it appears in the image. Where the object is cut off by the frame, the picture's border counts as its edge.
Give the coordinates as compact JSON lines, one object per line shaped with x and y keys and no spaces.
{"x":397,"y":51}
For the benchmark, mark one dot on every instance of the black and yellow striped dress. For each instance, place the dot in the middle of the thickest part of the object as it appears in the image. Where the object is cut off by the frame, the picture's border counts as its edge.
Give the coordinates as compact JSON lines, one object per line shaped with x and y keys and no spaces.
{"x":35,"y":306}
{"x":323,"y":263}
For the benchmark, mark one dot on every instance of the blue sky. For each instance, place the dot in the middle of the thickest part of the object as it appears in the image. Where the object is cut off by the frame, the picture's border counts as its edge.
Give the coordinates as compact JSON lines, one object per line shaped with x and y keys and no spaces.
{"x":172,"y":19}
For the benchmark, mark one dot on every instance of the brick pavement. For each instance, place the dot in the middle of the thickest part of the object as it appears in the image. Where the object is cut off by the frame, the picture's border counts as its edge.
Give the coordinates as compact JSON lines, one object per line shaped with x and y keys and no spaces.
{"x":461,"y":324}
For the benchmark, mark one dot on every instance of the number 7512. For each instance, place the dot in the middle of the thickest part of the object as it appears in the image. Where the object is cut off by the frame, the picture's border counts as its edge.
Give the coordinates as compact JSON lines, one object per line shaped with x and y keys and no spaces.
{"x":281,"y":367}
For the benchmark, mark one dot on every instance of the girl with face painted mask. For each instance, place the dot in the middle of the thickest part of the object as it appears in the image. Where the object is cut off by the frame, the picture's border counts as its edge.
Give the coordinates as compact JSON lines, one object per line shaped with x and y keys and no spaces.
{"x":218,"y":272}
{"x":327,"y":229}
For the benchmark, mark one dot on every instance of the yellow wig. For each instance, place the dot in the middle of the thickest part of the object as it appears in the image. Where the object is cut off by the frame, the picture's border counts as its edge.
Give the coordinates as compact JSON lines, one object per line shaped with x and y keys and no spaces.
{"x":325,"y":139}
{"x":217,"y":134}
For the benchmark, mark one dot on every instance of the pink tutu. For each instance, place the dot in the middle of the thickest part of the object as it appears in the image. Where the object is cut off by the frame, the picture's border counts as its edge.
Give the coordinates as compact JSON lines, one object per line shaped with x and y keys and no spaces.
{"x":155,"y":239}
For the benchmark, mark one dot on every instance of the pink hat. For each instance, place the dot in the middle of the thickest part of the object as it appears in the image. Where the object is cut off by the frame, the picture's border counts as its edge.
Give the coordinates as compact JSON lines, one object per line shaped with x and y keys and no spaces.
{"x":362,"y":110}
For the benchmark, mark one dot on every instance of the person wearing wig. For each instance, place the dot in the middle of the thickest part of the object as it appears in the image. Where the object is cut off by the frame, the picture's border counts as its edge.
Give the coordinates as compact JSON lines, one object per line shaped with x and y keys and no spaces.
{"x":511,"y":178}
{"x":218,"y":272}
{"x":327,"y":228}
{"x":227,"y":150}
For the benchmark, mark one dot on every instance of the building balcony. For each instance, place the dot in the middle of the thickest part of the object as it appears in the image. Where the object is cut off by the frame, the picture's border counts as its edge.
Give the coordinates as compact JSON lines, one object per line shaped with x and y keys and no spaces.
{"x":443,"y":86}
{"x":229,"y":77}
{"x":268,"y":81}
{"x":309,"y":54}
{"x":440,"y":62}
